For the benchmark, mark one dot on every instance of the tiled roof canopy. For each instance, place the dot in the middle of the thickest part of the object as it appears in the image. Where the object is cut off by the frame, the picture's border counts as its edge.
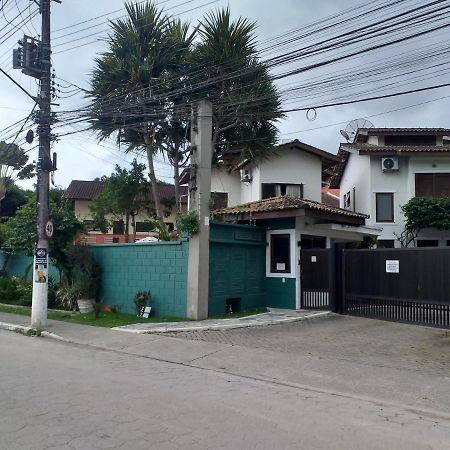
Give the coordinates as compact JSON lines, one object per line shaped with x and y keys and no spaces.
{"x":290,"y":207}
{"x":89,"y":190}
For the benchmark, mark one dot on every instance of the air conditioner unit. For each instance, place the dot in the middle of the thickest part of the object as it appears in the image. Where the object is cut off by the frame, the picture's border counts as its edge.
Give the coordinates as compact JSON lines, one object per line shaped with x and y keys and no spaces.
{"x":246,"y":176}
{"x":389,"y":164}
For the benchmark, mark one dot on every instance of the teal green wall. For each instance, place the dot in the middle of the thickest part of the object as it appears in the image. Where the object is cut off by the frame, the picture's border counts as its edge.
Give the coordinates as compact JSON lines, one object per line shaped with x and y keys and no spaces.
{"x":279,"y":294}
{"x":160,"y":268}
{"x":237,"y":266}
{"x":17,"y":265}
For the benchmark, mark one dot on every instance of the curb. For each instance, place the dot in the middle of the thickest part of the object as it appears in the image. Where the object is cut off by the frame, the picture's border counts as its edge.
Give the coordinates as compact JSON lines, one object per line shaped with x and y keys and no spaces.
{"x":183,"y":328}
{"x":21,"y":329}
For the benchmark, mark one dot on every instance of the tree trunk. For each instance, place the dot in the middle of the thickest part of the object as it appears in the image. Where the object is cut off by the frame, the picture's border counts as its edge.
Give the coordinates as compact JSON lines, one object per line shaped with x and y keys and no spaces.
{"x":176,"y":179}
{"x":133,"y":224}
{"x":154,"y":183}
{"x":127,"y":227}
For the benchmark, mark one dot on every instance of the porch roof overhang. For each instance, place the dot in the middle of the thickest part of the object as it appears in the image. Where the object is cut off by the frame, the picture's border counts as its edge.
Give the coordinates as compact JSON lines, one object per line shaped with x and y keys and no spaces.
{"x":285,"y":206}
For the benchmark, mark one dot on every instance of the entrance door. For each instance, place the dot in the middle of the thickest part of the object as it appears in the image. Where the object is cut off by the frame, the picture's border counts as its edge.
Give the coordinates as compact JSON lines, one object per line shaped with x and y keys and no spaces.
{"x":315,"y":278}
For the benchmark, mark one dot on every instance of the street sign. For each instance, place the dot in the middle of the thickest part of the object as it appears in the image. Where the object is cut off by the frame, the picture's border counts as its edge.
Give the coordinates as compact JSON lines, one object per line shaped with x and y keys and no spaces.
{"x":49,"y":229}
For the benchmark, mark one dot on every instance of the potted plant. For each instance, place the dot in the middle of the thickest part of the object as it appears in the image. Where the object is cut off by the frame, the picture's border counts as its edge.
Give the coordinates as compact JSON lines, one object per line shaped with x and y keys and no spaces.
{"x":83,"y":281}
{"x":140,"y":300}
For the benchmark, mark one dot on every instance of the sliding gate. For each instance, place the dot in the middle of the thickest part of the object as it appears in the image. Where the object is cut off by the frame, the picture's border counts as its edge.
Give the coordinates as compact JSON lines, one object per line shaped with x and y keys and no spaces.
{"x":315,"y":278}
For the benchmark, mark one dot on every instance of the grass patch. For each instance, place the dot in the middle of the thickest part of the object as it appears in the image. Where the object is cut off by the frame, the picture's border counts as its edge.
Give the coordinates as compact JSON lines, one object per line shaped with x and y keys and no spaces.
{"x":104,"y":319}
{"x":238,"y":314}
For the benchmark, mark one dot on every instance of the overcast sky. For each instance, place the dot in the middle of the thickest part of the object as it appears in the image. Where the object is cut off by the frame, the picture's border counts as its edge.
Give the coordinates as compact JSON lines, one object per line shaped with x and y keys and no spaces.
{"x":79,"y":155}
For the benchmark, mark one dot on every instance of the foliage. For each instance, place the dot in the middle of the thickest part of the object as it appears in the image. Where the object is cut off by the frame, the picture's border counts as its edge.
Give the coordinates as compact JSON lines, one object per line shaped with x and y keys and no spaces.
{"x":13,"y":166}
{"x":15,"y":198}
{"x":140,"y":300}
{"x":22,"y":228}
{"x":125,"y":194}
{"x":188,"y":223}
{"x":245,"y":100}
{"x":146,"y":48}
{"x":424,"y":212}
{"x":162,"y":229}
{"x":15,"y":291}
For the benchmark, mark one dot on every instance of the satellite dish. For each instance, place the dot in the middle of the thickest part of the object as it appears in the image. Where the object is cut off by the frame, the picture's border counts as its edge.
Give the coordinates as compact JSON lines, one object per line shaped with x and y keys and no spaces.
{"x":352,"y":128}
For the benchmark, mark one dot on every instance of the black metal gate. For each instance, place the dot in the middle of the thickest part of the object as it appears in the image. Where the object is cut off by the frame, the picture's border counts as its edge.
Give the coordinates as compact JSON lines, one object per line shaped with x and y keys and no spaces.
{"x":403,"y":285}
{"x":315,"y":278}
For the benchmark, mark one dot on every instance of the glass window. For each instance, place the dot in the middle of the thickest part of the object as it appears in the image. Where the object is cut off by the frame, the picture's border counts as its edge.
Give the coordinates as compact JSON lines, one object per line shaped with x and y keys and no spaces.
{"x":385,"y":207}
{"x":280,"y":253}
{"x":118,"y":227}
{"x":143,"y":227}
{"x":219,"y":200}
{"x":427,"y":243}
{"x":385,"y":243}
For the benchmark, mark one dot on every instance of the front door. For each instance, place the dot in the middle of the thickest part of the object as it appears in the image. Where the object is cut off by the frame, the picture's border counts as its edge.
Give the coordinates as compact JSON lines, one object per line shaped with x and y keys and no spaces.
{"x":315,"y":279}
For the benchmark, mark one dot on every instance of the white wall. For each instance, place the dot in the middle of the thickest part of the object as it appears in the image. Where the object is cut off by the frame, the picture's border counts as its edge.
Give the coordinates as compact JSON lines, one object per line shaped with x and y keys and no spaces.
{"x":294,"y":167}
{"x":222,"y":181}
{"x":357,"y":175}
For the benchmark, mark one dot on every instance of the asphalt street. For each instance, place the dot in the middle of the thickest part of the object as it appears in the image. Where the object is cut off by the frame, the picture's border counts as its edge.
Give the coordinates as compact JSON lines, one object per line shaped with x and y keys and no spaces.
{"x":57,"y":395}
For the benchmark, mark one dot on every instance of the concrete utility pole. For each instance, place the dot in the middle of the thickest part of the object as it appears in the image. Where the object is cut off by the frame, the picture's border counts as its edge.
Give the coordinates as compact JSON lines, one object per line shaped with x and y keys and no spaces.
{"x":45,"y":166}
{"x":199,"y":197}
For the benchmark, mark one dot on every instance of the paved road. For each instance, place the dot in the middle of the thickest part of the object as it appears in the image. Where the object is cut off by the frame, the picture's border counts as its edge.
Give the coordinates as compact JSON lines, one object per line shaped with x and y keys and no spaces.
{"x":58,"y":396}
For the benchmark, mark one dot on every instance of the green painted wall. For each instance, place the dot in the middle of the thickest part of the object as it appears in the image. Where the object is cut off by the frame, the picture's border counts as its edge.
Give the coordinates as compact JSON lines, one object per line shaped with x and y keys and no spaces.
{"x":17,"y":265}
{"x":279,"y":294}
{"x":158,"y":267}
{"x":237,"y":266}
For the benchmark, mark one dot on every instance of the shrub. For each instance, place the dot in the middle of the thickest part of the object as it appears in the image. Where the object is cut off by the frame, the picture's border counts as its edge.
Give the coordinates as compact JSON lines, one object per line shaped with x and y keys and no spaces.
{"x":15,"y":291}
{"x":140,"y":300}
{"x":188,"y":223}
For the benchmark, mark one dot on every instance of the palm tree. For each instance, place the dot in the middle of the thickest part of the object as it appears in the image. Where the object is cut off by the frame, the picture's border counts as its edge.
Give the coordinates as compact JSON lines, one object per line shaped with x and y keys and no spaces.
{"x":146,"y":51}
{"x":245,"y":101}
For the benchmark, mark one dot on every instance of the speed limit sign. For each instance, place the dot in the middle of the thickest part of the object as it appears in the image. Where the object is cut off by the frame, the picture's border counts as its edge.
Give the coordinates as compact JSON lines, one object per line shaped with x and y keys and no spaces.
{"x":49,"y":229}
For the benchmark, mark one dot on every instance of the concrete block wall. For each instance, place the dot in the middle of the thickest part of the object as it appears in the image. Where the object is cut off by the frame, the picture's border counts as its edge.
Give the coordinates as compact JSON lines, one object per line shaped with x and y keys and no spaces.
{"x":160,"y":268}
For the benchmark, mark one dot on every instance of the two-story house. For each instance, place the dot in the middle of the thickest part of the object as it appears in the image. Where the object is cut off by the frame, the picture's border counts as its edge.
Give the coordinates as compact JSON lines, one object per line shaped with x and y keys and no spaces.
{"x":383,"y":168}
{"x":284,"y":195}
{"x":83,"y":193}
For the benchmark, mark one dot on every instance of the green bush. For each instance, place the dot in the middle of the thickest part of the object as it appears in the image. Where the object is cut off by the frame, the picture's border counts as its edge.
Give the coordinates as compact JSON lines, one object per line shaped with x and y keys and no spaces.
{"x":15,"y":291}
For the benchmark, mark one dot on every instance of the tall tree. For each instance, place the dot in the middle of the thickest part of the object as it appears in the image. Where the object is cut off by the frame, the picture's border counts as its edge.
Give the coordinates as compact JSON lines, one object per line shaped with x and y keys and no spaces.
{"x":245,"y":100}
{"x":146,"y":49}
{"x":13,"y":166}
{"x":125,"y":194}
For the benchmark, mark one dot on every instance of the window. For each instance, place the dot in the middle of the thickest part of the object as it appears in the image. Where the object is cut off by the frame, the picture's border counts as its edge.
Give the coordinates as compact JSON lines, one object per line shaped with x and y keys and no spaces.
{"x":427,"y":243}
{"x":432,"y":184}
{"x":410,"y":140}
{"x":143,"y":227}
{"x":311,"y":242}
{"x":90,"y":226}
{"x":219,"y":200}
{"x":118,"y":227}
{"x":385,"y":207}
{"x":269,"y":190}
{"x":280,"y":253}
{"x":385,"y":243}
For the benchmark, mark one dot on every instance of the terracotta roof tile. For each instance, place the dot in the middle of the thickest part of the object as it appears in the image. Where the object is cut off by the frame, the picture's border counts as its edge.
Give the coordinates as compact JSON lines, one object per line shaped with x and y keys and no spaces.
{"x":370,"y":148}
{"x":89,"y":190}
{"x":284,"y":203}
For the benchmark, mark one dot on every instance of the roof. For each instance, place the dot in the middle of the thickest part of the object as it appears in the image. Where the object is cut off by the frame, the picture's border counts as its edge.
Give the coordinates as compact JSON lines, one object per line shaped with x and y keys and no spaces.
{"x":362,"y":133}
{"x":370,"y":149}
{"x":397,"y":149}
{"x":330,"y":197}
{"x":89,"y":190}
{"x":255,"y":210}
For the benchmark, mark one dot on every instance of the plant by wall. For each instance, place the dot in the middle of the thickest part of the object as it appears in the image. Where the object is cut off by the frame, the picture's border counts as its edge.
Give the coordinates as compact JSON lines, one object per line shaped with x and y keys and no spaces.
{"x":424,"y":212}
{"x":188,"y":223}
{"x":141,"y":300}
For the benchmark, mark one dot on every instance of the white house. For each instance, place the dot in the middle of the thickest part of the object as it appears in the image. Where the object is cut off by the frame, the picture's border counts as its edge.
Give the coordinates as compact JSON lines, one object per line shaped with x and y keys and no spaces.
{"x":383,"y":168}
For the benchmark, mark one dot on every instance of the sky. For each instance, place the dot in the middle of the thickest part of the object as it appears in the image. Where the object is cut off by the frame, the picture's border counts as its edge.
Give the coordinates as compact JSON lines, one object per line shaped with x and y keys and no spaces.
{"x":82,"y":157}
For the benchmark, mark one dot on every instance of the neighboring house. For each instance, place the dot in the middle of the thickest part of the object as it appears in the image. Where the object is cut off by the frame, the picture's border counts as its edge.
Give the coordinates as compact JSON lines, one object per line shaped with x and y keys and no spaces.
{"x":83,"y":193}
{"x":283,"y":195}
{"x":385,"y":167}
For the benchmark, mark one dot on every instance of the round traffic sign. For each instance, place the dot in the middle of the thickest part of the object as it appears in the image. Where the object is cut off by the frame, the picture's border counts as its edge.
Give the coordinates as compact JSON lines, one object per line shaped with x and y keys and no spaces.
{"x":49,"y":229}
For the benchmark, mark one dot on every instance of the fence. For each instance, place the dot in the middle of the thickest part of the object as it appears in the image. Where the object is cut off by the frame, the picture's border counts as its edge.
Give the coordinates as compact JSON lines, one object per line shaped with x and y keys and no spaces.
{"x":405,"y":285}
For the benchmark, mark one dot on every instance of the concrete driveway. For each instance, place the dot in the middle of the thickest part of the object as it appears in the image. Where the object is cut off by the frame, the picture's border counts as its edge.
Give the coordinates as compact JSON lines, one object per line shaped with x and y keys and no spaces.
{"x":383,"y":360}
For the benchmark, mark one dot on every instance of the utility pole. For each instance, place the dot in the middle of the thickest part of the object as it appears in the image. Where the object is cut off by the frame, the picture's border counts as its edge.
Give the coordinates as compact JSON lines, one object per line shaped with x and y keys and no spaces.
{"x":40,"y":273}
{"x":199,"y":197}
{"x":33,"y":57}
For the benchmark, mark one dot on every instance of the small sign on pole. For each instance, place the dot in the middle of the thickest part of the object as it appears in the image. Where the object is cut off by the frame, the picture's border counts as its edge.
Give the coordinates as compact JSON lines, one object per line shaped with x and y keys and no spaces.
{"x":49,"y":229}
{"x":41,"y":265}
{"x":392,"y":266}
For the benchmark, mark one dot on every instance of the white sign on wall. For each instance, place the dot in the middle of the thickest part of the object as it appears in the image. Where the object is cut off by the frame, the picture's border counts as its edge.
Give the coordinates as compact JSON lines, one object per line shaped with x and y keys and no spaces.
{"x":392,"y":266}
